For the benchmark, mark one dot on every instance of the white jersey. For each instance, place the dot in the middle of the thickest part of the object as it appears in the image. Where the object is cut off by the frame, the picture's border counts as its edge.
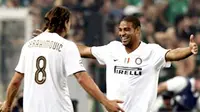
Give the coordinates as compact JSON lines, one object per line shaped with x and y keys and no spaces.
{"x":46,"y":61}
{"x":133,"y":77}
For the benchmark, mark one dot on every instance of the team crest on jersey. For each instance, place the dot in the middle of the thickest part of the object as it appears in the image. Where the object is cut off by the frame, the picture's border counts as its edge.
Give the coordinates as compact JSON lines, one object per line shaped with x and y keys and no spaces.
{"x":138,"y":61}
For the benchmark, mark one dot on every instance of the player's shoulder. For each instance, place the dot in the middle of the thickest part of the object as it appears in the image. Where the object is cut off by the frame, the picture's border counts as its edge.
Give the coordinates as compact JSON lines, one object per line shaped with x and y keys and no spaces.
{"x":153,"y":46}
{"x":27,"y":43}
{"x":115,"y":44}
{"x":69,"y":45}
{"x":69,"y":42}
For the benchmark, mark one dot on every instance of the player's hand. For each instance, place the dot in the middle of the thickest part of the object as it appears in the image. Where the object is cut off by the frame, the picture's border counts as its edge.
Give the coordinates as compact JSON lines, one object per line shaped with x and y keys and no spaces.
{"x":36,"y":32}
{"x":193,"y":45}
{"x":112,"y":106}
{"x":4,"y":108}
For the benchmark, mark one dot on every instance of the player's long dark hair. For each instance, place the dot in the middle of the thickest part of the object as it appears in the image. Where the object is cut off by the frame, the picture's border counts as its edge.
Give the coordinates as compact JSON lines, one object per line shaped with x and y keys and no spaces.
{"x":55,"y":19}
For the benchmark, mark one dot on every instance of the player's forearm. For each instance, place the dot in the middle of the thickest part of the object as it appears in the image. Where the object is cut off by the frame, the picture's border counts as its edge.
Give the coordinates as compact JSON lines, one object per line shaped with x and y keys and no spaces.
{"x":85,"y":51}
{"x":13,"y":89}
{"x":11,"y":93}
{"x":89,"y":85}
{"x":178,"y":54}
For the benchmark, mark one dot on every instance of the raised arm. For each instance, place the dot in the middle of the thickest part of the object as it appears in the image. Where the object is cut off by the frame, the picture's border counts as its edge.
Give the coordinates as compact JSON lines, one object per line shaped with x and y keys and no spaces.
{"x":85,"y":51}
{"x":182,"y":53}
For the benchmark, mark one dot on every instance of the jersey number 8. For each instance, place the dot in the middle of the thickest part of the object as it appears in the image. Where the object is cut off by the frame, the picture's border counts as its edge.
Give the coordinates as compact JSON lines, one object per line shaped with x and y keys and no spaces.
{"x":40,"y":70}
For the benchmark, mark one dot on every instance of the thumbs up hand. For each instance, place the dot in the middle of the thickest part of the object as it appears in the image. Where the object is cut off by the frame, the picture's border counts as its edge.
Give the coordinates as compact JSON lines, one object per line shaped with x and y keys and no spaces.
{"x":193,"y":45}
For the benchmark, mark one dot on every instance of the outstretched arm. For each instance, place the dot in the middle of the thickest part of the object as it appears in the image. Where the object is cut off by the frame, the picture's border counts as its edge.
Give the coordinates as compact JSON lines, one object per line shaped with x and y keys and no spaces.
{"x":85,"y":51}
{"x":12,"y":90}
{"x":182,"y":53}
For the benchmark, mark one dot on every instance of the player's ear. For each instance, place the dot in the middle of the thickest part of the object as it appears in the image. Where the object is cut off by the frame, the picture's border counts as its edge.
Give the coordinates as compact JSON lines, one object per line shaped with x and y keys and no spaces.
{"x":67,"y":25}
{"x":137,"y":30}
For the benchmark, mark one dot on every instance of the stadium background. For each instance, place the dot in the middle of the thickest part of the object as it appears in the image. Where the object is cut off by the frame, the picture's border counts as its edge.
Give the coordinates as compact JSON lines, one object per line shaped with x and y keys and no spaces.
{"x":166,"y":22}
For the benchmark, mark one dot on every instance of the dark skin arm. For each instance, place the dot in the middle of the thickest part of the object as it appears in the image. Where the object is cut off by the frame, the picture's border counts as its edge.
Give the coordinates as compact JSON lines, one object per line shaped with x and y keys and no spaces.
{"x":182,"y":53}
{"x":85,"y":51}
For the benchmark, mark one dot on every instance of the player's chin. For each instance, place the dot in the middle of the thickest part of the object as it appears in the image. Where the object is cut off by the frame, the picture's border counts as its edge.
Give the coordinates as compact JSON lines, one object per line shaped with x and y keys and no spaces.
{"x":125,"y":43}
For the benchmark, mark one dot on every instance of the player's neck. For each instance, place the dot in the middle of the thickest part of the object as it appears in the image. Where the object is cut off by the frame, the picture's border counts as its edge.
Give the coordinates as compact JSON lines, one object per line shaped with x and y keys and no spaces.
{"x":130,"y":48}
{"x":62,"y":34}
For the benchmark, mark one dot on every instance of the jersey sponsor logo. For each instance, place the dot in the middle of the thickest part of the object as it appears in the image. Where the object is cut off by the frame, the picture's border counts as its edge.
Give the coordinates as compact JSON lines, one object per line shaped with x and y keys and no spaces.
{"x":128,"y":70}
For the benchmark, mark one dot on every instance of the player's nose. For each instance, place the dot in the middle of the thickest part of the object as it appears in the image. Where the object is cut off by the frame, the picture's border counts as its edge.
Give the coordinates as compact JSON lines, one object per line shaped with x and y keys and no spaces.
{"x":122,"y":34}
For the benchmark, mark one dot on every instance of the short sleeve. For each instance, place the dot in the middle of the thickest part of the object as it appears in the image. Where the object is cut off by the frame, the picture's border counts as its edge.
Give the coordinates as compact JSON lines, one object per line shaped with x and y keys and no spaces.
{"x":176,"y":84}
{"x":21,"y":63}
{"x":73,"y":61}
{"x":159,"y":57}
{"x":100,"y":53}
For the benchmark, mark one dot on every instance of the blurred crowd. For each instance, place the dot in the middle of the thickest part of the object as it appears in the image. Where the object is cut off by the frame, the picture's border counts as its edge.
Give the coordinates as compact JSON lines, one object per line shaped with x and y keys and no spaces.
{"x":94,"y":22}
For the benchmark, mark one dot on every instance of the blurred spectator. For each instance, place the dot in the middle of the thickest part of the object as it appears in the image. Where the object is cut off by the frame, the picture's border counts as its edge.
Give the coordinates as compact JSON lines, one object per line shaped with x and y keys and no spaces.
{"x":151,"y":13}
{"x":12,"y":3}
{"x":135,"y":2}
{"x":35,"y":12}
{"x":117,"y":9}
{"x":131,"y":10}
{"x":186,"y":92}
{"x":71,"y":4}
{"x":184,"y":28}
{"x":167,"y":102}
{"x":194,"y":6}
{"x":149,"y":33}
{"x":174,"y":8}
{"x":161,"y":23}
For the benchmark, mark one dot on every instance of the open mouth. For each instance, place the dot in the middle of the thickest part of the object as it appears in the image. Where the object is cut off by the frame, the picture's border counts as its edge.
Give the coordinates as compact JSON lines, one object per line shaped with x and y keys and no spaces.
{"x":124,"y":39}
